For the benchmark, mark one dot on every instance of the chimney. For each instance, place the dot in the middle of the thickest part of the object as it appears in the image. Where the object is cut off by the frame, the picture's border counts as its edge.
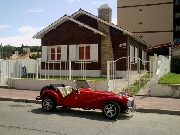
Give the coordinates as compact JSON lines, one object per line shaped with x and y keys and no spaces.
{"x":105,"y":13}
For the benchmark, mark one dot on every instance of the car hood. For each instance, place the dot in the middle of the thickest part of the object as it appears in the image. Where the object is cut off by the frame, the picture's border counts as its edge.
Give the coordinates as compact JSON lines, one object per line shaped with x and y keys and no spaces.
{"x":99,"y":92}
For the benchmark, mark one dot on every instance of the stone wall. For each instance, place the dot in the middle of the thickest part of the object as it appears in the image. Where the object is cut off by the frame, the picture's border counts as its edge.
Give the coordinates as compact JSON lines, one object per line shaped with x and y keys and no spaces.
{"x":104,"y":12}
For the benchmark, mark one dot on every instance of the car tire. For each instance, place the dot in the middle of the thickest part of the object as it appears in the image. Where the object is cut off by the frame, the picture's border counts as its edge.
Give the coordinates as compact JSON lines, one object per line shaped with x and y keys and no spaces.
{"x":48,"y":104}
{"x":111,"y":110}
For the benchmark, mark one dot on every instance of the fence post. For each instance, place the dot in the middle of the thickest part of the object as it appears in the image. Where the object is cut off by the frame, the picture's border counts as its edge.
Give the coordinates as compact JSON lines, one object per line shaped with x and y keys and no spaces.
{"x":37,"y":69}
{"x":69,"y":69}
{"x":128,"y":73}
{"x":108,"y":67}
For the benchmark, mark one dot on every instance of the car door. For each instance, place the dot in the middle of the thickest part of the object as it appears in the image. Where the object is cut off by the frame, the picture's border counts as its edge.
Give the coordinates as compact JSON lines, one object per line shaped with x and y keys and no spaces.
{"x":69,"y":100}
{"x":83,"y":98}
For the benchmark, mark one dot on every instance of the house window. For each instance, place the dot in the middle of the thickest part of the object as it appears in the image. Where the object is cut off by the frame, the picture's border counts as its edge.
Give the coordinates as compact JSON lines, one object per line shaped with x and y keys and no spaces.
{"x":177,"y":40}
{"x":84,"y":53}
{"x":177,"y":15}
{"x":140,"y":22}
{"x":140,"y":9}
{"x":177,"y":2}
{"x":177,"y":28}
{"x":141,"y":36}
{"x":55,"y":53}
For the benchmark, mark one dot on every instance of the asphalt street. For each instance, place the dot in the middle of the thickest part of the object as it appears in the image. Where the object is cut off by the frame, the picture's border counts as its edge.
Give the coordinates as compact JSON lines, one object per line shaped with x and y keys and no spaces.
{"x":17,"y":118}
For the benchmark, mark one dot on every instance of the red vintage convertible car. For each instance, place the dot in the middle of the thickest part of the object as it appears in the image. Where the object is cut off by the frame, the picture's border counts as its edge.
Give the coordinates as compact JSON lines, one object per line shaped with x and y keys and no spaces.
{"x":84,"y":97}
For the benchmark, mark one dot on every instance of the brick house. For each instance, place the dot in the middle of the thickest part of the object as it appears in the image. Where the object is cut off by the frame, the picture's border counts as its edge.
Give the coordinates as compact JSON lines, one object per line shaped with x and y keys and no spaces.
{"x":84,"y":36}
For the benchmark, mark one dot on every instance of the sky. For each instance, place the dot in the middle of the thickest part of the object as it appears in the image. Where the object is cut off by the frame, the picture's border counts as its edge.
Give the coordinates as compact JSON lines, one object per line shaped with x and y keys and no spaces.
{"x":20,"y":20}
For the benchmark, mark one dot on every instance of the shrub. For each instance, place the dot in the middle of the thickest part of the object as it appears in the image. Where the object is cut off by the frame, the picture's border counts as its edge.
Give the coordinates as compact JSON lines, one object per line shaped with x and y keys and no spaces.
{"x":175,"y":64}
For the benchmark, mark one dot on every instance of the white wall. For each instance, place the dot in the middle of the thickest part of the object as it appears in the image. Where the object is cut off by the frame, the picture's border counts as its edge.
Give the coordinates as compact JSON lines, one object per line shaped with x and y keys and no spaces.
{"x":33,"y":84}
{"x":164,"y":90}
{"x":163,"y":67}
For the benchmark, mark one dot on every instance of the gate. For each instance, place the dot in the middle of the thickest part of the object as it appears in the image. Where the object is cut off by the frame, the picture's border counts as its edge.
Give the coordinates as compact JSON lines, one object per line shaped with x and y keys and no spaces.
{"x":123,"y":81}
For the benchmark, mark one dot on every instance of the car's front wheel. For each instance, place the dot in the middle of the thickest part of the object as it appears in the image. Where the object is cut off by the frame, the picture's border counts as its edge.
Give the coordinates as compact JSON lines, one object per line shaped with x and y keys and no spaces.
{"x":111,"y":110}
{"x":48,"y":104}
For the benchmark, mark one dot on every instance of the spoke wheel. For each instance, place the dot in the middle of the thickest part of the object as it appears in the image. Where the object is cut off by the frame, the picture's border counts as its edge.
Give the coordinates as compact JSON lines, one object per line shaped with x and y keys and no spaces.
{"x":111,"y":110}
{"x":48,"y":104}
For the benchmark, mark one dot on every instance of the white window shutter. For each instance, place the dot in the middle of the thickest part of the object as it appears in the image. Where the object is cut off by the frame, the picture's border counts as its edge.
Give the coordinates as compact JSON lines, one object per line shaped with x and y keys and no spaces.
{"x":131,"y":53}
{"x":64,"y":52}
{"x":72,"y":52}
{"x":142,"y":55}
{"x":136,"y":54}
{"x":44,"y":53}
{"x":94,"y":52}
{"x":145,"y":56}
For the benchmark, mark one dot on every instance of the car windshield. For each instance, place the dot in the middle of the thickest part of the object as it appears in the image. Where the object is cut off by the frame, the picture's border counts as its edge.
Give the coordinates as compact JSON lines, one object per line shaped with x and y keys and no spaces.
{"x":81,"y":84}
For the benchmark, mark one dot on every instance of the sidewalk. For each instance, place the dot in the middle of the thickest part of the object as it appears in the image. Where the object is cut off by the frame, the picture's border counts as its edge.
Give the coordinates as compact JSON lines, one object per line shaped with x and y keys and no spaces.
{"x":144,"y":104}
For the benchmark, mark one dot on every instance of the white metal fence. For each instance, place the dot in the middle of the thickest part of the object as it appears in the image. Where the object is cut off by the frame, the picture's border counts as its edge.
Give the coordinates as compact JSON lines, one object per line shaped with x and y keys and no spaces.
{"x":23,"y":68}
{"x":17,"y":69}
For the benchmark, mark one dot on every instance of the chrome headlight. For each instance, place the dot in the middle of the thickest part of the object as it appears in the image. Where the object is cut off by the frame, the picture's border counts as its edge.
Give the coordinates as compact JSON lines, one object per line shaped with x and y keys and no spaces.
{"x":130,"y":102}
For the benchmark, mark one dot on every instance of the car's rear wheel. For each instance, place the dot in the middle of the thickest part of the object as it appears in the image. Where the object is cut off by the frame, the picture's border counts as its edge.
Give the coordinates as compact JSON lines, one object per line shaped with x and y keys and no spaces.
{"x":111,"y":110}
{"x":48,"y":104}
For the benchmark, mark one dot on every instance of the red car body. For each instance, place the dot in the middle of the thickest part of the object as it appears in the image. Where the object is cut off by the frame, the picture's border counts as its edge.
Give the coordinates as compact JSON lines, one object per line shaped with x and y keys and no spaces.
{"x":84,"y":97}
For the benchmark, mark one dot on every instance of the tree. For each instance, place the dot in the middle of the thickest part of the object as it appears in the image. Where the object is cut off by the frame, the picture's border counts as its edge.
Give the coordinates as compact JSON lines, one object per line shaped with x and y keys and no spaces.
{"x":8,"y":51}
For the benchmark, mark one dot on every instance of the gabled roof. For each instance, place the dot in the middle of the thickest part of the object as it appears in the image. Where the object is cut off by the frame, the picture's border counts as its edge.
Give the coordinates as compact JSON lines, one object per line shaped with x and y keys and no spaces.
{"x":60,"y":21}
{"x":136,"y":37}
{"x":79,"y":13}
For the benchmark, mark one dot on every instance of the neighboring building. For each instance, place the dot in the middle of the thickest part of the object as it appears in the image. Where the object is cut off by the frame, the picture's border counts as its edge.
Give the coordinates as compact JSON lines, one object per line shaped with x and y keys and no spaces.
{"x":25,"y":55}
{"x":156,"y":21}
{"x":86,"y":37}
{"x":26,"y":50}
{"x":14,"y":56}
{"x":166,"y":49}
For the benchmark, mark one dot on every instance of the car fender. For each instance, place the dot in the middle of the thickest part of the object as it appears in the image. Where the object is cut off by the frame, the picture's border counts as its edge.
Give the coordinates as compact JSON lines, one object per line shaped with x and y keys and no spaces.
{"x":99,"y":102}
{"x":120,"y":101}
{"x":53,"y":94}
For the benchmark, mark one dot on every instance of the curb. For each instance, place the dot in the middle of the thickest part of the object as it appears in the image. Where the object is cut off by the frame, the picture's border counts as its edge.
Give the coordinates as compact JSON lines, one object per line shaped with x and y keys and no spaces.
{"x":20,"y":100}
{"x":159,"y":111}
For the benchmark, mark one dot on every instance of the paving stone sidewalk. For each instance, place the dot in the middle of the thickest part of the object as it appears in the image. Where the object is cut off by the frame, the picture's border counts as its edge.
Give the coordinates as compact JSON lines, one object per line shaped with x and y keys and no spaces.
{"x":144,"y":104}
